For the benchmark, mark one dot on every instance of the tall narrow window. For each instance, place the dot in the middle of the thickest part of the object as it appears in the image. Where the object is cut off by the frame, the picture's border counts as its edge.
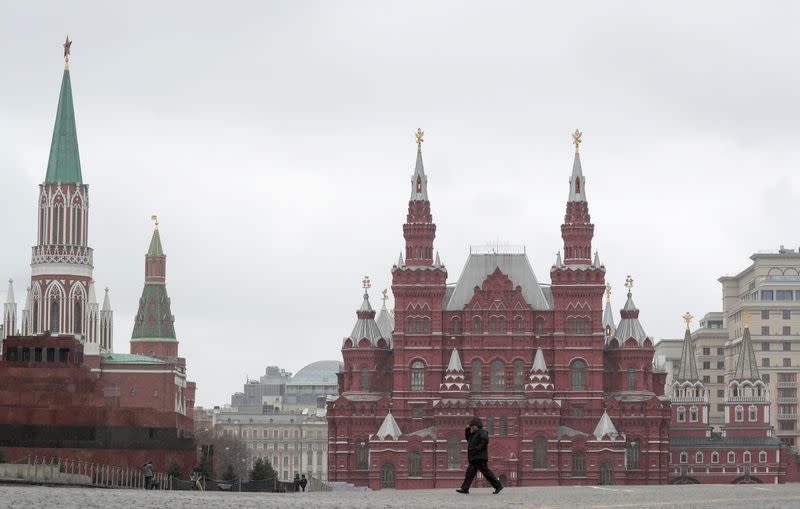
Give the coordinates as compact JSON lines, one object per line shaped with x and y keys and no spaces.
{"x":540,"y":452}
{"x":739,"y":413}
{"x":752,"y":413}
{"x":504,"y":426}
{"x":414,"y":464}
{"x":518,"y":324}
{"x":477,"y":367}
{"x":36,"y":315}
{"x":77,"y":236}
{"x":632,"y":452}
{"x":501,"y":325}
{"x":578,"y":375}
{"x":417,"y":376}
{"x":498,"y":376}
{"x":539,"y":327}
{"x":362,"y":456}
{"x":456,"y":325}
{"x":409,"y":325}
{"x":493,"y":324}
{"x":364,"y":379}
{"x":631,"y":379}
{"x":54,"y":318}
{"x":453,"y":453}
{"x":519,"y":375}
{"x":77,"y":317}
{"x":579,"y":464}
{"x":476,"y":324}
{"x":490,"y":425}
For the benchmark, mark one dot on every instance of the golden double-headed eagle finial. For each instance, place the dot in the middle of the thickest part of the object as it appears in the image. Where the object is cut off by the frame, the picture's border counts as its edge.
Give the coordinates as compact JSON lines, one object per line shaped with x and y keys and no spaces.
{"x":608,"y":293}
{"x":687,"y":317}
{"x":628,"y":282}
{"x":746,"y":318}
{"x":365,"y":283}
{"x":154,"y":219}
{"x":576,"y":140}
{"x":419,"y":135}
{"x":385,"y":295}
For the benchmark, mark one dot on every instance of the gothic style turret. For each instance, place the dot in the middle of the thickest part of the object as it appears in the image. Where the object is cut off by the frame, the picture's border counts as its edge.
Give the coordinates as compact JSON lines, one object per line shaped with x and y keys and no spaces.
{"x":25,"y":321}
{"x":62,"y":259}
{"x":106,"y":324}
{"x":609,"y":327}
{"x":454,"y":382}
{"x":577,"y":230}
{"x":747,"y":403}
{"x":9,"y":312}
{"x":688,"y":393}
{"x":93,"y":317}
{"x":419,"y":230}
{"x":539,"y":384}
{"x":153,"y":329}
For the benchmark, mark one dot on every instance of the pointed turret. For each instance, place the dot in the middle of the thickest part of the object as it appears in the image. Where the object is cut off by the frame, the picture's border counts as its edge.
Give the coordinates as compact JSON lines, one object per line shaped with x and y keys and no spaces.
{"x":26,"y":328}
{"x":400,"y":260}
{"x":64,"y":164}
{"x":577,"y":230}
{"x":9,"y":312}
{"x":539,"y":376}
{"x":154,"y":329}
{"x":605,"y":428}
{"x":385,"y":320}
{"x":389,"y":429}
{"x":558,"y":263}
{"x":106,"y":324}
{"x":93,"y":315}
{"x":454,"y":381}
{"x":596,"y":262}
{"x":419,"y":230}
{"x":746,"y":363}
{"x":688,"y":367}
{"x":366,"y":327}
{"x":608,"y":317}
{"x":629,"y":326}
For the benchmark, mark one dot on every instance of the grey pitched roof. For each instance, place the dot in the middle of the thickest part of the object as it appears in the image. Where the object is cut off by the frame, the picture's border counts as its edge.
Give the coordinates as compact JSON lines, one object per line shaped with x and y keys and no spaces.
{"x":419,"y":172}
{"x":566,"y":431}
{"x":605,"y":427}
{"x":479,"y":266}
{"x":608,"y":318}
{"x":688,"y":367}
{"x":385,"y":322}
{"x":577,"y":192}
{"x":389,"y":428}
{"x":746,"y":364}
{"x":629,"y":326}
{"x":365,"y":326}
{"x":455,"y":362}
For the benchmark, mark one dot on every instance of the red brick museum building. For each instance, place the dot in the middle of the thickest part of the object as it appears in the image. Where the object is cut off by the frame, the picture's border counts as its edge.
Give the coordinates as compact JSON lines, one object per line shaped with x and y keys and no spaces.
{"x":569,"y":394}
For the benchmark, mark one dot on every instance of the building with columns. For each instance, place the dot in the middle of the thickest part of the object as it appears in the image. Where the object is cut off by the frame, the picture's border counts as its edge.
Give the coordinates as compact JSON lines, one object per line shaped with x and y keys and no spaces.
{"x":568,"y":393}
{"x":116,"y":408}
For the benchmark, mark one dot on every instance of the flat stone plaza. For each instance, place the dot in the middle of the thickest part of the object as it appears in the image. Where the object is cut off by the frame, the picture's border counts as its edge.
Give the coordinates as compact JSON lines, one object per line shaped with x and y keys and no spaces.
{"x":596,"y":497}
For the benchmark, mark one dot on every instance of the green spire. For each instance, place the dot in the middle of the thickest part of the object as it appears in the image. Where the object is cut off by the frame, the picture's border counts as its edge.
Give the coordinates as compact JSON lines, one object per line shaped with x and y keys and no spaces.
{"x":155,"y":244}
{"x":64,"y":164}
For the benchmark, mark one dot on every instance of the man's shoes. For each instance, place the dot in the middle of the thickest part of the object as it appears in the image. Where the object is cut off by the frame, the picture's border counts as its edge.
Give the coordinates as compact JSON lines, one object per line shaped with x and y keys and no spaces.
{"x":462,"y":491}
{"x":497,"y":490}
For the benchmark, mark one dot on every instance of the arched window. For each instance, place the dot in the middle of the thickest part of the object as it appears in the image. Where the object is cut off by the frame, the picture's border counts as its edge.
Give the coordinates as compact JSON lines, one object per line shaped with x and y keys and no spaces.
{"x":418,"y":326}
{"x":579,"y":464}
{"x":77,"y":317}
{"x":519,"y":375}
{"x":362,"y":455}
{"x":414,"y":464}
{"x":364,"y":379}
{"x":409,"y":325}
{"x":504,"y":426}
{"x":492,"y":324}
{"x":54,"y":318}
{"x":731,"y":457}
{"x":762,"y":457}
{"x":476,"y":324}
{"x":632,"y":452}
{"x":631,"y":379}
{"x":693,"y":414}
{"x":501,"y":325}
{"x":684,"y":457}
{"x":77,"y":222}
{"x":456,"y":325}
{"x":498,"y":376}
{"x":746,"y":457}
{"x":518,"y":324}
{"x":425,"y":325}
{"x":752,"y":413}
{"x":417,"y":376}
{"x":540,"y":452}
{"x":739,"y":413}
{"x":578,"y":375}
{"x":477,"y":367}
{"x":453,"y":453}
{"x":715,"y":457}
{"x":681,"y":414}
{"x":490,"y":425}
{"x":698,"y":457}
{"x":539,"y":326}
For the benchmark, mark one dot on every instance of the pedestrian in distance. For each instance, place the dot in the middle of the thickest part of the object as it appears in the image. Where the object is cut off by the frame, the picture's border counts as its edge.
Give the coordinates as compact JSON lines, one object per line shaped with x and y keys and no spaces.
{"x":303,"y":482}
{"x":296,"y":482}
{"x":147,"y":473}
{"x":478,"y":456}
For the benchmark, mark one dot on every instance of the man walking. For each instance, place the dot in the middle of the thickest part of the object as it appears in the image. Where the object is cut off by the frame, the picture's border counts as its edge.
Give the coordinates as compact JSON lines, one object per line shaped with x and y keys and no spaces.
{"x":147,"y":473}
{"x":478,"y":456}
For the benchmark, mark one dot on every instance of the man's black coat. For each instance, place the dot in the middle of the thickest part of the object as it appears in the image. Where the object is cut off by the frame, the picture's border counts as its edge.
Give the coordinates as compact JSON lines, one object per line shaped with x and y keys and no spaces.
{"x":478,"y":442}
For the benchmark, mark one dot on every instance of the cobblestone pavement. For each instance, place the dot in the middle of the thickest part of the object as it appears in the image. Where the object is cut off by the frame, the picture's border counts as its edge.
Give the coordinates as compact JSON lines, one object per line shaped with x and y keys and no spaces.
{"x":597,"y":497}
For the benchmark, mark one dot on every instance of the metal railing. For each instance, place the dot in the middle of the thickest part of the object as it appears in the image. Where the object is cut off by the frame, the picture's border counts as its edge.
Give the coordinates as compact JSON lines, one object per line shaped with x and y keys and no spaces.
{"x":95,"y":474}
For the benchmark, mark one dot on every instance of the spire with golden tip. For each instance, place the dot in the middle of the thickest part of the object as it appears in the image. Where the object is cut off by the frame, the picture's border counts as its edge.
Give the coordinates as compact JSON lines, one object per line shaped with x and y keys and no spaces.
{"x":688,"y":366}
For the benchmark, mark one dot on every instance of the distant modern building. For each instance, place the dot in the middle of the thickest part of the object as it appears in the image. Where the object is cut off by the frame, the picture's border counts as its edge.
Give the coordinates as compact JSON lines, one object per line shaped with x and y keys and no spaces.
{"x":287,"y":427}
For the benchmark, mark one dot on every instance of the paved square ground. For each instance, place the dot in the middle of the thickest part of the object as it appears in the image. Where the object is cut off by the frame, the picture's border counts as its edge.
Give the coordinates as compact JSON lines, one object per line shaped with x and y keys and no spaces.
{"x":597,"y":497}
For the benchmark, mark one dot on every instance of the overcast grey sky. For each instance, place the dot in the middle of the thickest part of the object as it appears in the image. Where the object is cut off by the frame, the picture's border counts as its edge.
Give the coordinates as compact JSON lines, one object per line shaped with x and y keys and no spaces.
{"x":274,"y":141}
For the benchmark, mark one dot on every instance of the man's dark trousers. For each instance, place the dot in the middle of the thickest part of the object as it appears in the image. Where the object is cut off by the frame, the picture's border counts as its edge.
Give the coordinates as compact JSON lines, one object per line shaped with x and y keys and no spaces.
{"x":472,"y":470}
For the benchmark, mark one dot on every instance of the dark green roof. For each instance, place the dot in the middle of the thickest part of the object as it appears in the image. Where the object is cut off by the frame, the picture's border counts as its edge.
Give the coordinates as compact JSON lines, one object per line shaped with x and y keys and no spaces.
{"x":154,"y":320}
{"x":155,"y":245}
{"x":130,"y":358}
{"x":64,"y":164}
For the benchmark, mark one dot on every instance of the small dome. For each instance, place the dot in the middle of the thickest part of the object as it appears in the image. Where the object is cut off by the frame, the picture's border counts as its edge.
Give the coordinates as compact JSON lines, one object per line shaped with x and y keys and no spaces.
{"x":320,"y":372}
